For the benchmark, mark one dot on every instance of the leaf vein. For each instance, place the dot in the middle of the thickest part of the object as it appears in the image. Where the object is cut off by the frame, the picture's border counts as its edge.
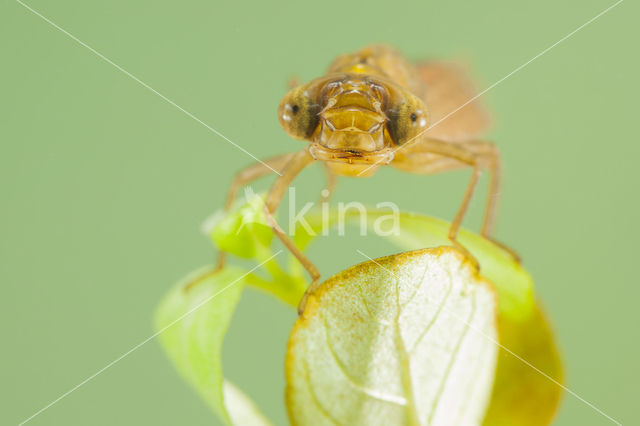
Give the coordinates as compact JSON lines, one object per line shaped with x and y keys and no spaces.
{"x":418,"y":287}
{"x":394,"y":399}
{"x":314,"y":397}
{"x":435,"y":315}
{"x":452,"y":361}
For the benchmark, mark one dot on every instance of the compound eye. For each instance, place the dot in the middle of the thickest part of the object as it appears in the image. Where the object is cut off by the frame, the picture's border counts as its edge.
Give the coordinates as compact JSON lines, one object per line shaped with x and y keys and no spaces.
{"x":407,"y":120}
{"x":298,"y":114}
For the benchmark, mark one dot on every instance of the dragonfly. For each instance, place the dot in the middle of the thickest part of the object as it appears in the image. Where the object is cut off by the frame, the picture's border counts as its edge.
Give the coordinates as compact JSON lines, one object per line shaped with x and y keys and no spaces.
{"x":375,"y":108}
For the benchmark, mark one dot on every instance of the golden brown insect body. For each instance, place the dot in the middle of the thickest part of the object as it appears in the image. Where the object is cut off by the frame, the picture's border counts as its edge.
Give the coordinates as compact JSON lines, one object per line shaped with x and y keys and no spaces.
{"x":374,"y":108}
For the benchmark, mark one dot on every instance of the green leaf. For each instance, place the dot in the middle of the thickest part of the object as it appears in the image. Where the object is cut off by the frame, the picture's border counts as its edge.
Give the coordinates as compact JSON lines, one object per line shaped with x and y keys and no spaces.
{"x":243,"y":231}
{"x":513,"y":284}
{"x":522,"y":396}
{"x":407,"y":339}
{"x":242,"y":410}
{"x":192,"y":325}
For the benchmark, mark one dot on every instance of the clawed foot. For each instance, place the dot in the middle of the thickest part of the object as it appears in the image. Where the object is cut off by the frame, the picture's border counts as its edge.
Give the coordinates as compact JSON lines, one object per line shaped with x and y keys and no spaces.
{"x":509,"y":250}
{"x":472,"y":259}
{"x":198,"y":279}
{"x":467,"y":254}
{"x":303,"y":303}
{"x":218,"y":268}
{"x":311,"y":289}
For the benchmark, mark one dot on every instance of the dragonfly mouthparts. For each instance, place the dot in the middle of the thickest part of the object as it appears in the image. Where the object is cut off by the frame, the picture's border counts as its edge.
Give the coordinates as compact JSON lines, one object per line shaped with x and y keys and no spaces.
{"x":352,"y":119}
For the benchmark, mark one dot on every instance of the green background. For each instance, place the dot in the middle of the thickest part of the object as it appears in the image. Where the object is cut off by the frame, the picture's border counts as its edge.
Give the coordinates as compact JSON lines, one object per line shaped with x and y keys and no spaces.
{"x":104,"y":185}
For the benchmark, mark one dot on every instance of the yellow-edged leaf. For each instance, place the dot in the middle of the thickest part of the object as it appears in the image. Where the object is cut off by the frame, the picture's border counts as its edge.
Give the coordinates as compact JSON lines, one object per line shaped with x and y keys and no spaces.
{"x":407,"y":339}
{"x":522,"y":395}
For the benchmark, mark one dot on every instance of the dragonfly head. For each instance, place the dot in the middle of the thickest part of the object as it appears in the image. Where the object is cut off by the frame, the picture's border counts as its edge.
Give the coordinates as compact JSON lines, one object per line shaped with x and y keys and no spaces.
{"x":352,"y":115}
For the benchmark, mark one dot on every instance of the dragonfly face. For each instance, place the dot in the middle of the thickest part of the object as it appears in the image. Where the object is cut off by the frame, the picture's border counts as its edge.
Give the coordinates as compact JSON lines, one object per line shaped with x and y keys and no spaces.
{"x":352,"y":118}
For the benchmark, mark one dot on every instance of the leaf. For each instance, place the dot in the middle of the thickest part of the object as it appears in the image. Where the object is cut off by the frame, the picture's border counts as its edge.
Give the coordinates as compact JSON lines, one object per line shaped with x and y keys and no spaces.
{"x":192,"y":325}
{"x":414,"y":231}
{"x":408,"y":341}
{"x":242,"y":410}
{"x":243,"y":231}
{"x":523,"y":396}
